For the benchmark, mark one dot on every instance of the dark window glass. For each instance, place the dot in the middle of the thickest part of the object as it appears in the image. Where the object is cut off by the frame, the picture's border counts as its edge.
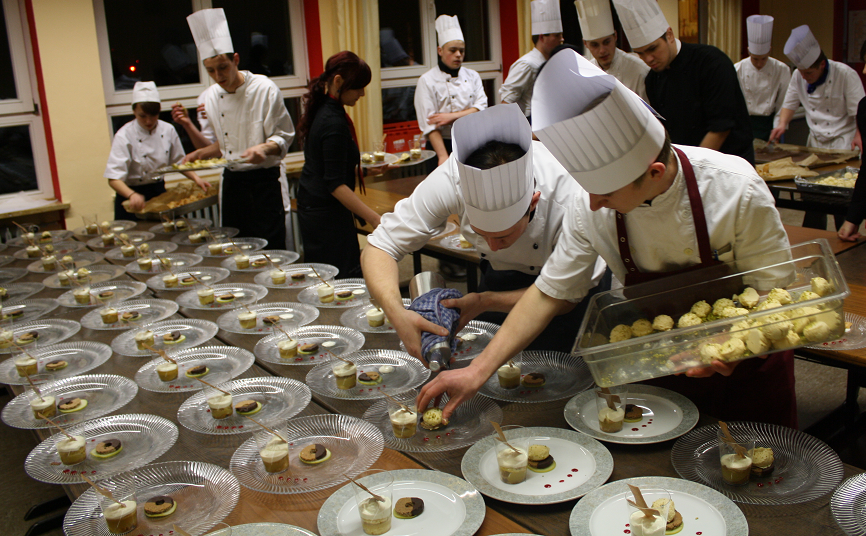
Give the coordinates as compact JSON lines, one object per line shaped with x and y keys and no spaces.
{"x":474,"y":22}
{"x":150,"y":40}
{"x":400,"y":38}
{"x":17,"y":167}
{"x":293,"y":105}
{"x":398,"y":104}
{"x":261,"y":35}
{"x":7,"y":77}
{"x":488,"y":90}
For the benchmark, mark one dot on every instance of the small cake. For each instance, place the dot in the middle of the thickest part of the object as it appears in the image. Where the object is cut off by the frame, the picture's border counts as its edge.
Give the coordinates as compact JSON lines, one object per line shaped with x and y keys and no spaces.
{"x":533,"y":380}
{"x":33,"y":252}
{"x":465,"y":244}
{"x":763,"y":461}
{"x":509,"y":376}
{"x":375,"y":317}
{"x":43,"y":406}
{"x":49,"y":263}
{"x":674,"y":520}
{"x":610,"y":420}
{"x":248,"y":407}
{"x":83,"y":274}
{"x":6,"y":338}
{"x":64,"y":277}
{"x":749,"y":298}
{"x":107,"y":448}
{"x":702,"y":309}
{"x":620,"y":333}
{"x":540,"y":460}
{"x":366,"y":158}
{"x":633,"y":413}
{"x":288,"y":348}
{"x":108,"y":239}
{"x":215,"y":249}
{"x":25,"y":365}
{"x":278,"y":277}
{"x":45,"y":236}
{"x":343,"y":295}
{"x":220,"y":405}
{"x":314,"y":454}
{"x":169,"y":280}
{"x":82,"y":295}
{"x":121,"y":517}
{"x":408,"y":507}
{"x":247,"y":319}
{"x":205,"y":296}
{"x":26,"y":338}
{"x":71,"y":405}
{"x":145,"y":264}
{"x":130,"y":316}
{"x":145,"y":249}
{"x":165,"y":262}
{"x":109,"y":315}
{"x":275,"y":455}
{"x":345,"y":375}
{"x":308,"y":348}
{"x":160,"y":506}
{"x":197,"y":372}
{"x":298,"y":277}
{"x":175,"y":337}
{"x":91,"y":228}
{"x":369,"y":378}
{"x":127,"y":250}
{"x":169,"y":226}
{"x":181,"y":225}
{"x":166,"y":371}
{"x":432,"y":419}
{"x":379,"y":156}
{"x":242,"y":261}
{"x":71,"y":450}
{"x":641,"y":328}
{"x":326,"y":293}
{"x":196,"y":238}
{"x":57,"y":364}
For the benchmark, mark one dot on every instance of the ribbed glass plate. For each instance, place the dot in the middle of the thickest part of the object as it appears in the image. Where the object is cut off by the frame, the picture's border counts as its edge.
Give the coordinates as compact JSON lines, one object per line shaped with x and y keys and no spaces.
{"x":179,"y":263}
{"x":6,"y":259}
{"x":326,"y":271}
{"x":848,"y":505}
{"x":143,"y":438}
{"x":292,"y":314}
{"x":355,"y":445}
{"x":196,"y":332}
{"x":206,"y":274}
{"x":218,"y":233}
{"x":281,"y":399}
{"x":269,"y":529}
{"x":854,"y":339}
{"x":117,"y":226}
{"x":205,"y":495}
{"x":151,"y":311}
{"x":806,"y":468}
{"x":221,"y":361}
{"x":158,"y":247}
{"x":245,"y":294}
{"x":135,"y":238}
{"x":277,"y":256}
{"x":246,"y":245}
{"x":195,"y":223}
{"x":26,"y":310}
{"x":82,"y":356}
{"x":468,"y":425}
{"x":311,"y":296}
{"x":22,"y":291}
{"x":408,"y":373}
{"x":123,"y":290}
{"x":476,"y":336}
{"x":8,"y":275}
{"x":105,"y":393}
{"x":56,"y":236}
{"x":51,"y":331}
{"x":564,"y":376}
{"x":60,"y":249}
{"x":345,"y":341}
{"x":98,"y":274}
{"x":356,"y":318}
{"x":80,"y":259}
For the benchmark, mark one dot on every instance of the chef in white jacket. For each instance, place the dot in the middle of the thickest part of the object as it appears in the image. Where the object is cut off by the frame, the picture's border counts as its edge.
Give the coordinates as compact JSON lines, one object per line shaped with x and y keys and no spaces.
{"x":448,"y":91}
{"x":599,"y":38}
{"x":546,"y":35}
{"x":764,"y":80}
{"x":828,"y":90}
{"x":653,"y":210}
{"x":248,"y":119}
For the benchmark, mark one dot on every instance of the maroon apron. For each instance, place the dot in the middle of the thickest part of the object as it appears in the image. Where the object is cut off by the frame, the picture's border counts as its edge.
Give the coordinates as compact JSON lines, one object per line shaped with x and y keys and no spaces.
{"x":759,"y":390}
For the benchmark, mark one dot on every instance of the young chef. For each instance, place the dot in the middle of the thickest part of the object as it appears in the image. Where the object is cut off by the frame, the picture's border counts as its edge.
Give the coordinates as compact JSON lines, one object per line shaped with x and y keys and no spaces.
{"x":599,"y":37}
{"x":546,"y":35}
{"x":857,"y":209}
{"x":653,"y":210}
{"x":764,"y":80}
{"x":511,"y":195}
{"x":249,"y":120}
{"x":141,"y":146}
{"x":448,"y":91}
{"x":694,"y":87}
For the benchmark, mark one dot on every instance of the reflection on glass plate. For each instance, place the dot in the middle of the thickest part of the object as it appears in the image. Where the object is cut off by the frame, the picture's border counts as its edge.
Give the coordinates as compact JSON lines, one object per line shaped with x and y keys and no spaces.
{"x":231,"y":247}
{"x":357,"y":288}
{"x":258,"y":262}
{"x":224,"y":362}
{"x":848,"y":503}
{"x":80,"y":356}
{"x":149,"y":311}
{"x":356,"y":318}
{"x":56,"y":236}
{"x":564,"y":376}
{"x":60,"y":249}
{"x":290,"y":316}
{"x":8,"y":275}
{"x":6,"y":259}
{"x":27,"y":310}
{"x":98,"y":273}
{"x":50,"y":331}
{"x":121,"y":290}
{"x":227,"y":296}
{"x":217,"y":233}
{"x":134,"y":238}
{"x":179,"y":262}
{"x":474,"y":338}
{"x":854,"y":339}
{"x":80,"y":259}
{"x":453,"y":242}
{"x":206,"y":274}
{"x":22,"y":291}
{"x":337,"y":340}
{"x":193,"y":332}
{"x":407,"y":373}
{"x":158,"y":247}
{"x":325,"y":271}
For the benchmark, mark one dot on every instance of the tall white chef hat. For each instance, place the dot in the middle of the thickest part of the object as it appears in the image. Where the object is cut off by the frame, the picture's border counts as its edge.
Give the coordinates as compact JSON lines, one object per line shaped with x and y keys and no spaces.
{"x":210,"y":30}
{"x":596,"y":20}
{"x":545,"y":17}
{"x":760,"y":31}
{"x":448,"y":29}
{"x":498,"y":197}
{"x":598,"y":129}
{"x":802,"y":48}
{"x":642,"y":21}
{"x":145,"y":92}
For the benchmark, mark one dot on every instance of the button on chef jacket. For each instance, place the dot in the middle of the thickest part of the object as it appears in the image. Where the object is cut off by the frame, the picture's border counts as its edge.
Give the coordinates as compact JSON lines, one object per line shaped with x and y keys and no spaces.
{"x":831,"y":109}
{"x":517,"y":87}
{"x":628,"y":69}
{"x":763,"y":89}
{"x":439,"y":92}
{"x":135,"y":152}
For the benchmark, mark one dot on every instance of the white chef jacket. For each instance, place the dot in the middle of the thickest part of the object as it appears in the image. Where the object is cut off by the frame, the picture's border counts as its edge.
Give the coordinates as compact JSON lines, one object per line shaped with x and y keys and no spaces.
{"x":439,"y":92}
{"x":135,"y":152}
{"x":628,"y":69}
{"x":738,"y":207}
{"x":517,"y":88}
{"x":424,"y":214}
{"x":764,"y":90}
{"x":255,"y":113}
{"x":831,"y":110}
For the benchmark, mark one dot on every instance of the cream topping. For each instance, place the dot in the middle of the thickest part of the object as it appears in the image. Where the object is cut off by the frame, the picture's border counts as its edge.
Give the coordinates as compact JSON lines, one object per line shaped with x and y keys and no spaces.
{"x":275,"y":450}
{"x":39,"y":404}
{"x":115,"y":511}
{"x":70,"y":445}
{"x":166,"y":367}
{"x":344,"y":369}
{"x":641,"y":525}
{"x":219,"y":401}
{"x":509,"y":459}
{"x":372,"y":510}
{"x":324,"y":290}
{"x":733,"y":461}
{"x":611,"y":415}
{"x":507,"y":371}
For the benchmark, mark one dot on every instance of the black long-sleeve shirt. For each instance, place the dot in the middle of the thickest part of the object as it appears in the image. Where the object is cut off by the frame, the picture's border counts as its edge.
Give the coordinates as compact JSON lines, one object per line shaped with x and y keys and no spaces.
{"x":857,"y":208}
{"x":330,"y":157}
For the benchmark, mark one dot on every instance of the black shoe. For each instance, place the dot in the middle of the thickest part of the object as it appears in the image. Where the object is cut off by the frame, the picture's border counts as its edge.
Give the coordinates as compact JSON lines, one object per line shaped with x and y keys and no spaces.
{"x":452,"y":272}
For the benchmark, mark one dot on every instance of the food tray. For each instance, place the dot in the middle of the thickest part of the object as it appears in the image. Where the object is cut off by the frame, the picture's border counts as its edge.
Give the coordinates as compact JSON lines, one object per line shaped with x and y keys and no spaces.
{"x":677,"y":350}
{"x":181,"y":210}
{"x":810,"y":185}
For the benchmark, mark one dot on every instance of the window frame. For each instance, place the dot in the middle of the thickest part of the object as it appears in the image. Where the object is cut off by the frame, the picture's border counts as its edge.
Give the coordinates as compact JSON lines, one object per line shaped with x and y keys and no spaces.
{"x":17,"y":30}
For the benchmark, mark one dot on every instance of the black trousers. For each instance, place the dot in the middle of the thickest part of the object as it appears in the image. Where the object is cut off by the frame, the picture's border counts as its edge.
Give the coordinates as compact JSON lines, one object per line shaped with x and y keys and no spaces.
{"x":149,"y":191}
{"x":329,"y":236}
{"x":252,"y":202}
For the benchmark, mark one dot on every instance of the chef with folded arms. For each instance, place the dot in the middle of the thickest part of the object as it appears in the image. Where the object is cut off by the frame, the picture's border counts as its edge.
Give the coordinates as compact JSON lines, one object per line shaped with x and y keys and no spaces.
{"x":653,"y":210}
{"x":511,"y":195}
{"x":599,"y":37}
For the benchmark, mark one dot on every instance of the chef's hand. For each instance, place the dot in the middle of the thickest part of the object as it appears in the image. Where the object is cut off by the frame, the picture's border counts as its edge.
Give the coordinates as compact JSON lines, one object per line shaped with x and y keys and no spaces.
{"x":469,"y":305}
{"x":460,"y":384}
{"x":378,"y":170}
{"x":136,"y":202}
{"x":203,"y":184}
{"x":255,"y":154}
{"x":180,"y":116}
{"x":849,"y":232}
{"x":776,"y":133}
{"x":201,"y":111}
{"x":192,"y":157}
{"x":725,"y":369}
{"x":442,"y":119}
{"x":409,"y":326}
{"x":858,"y":142}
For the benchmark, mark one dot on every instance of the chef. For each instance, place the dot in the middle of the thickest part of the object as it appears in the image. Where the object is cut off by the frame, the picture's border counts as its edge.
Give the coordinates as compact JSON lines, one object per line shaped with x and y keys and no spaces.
{"x":448,"y":91}
{"x":653,"y":210}
{"x":139,"y":147}
{"x":511,"y":195}
{"x":247,"y":117}
{"x":694,"y":87}
{"x":546,"y":35}
{"x":764,"y":80}
{"x":827,"y":89}
{"x":599,"y":37}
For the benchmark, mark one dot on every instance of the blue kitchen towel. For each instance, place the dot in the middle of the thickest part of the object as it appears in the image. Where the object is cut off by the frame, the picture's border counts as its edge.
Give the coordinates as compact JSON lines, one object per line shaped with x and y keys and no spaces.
{"x":428,"y":305}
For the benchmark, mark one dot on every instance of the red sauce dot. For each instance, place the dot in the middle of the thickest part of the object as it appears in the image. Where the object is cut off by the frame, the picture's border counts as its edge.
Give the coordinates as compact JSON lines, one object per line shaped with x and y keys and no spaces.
{"x":561,"y":481}
{"x":305,"y":480}
{"x":92,"y":472}
{"x":574,"y":470}
{"x":760,"y":484}
{"x":448,"y":433}
{"x":699,"y":533}
{"x":438,"y":437}
{"x":643,"y":426}
{"x":627,"y":531}
{"x":426,"y":439}
{"x":547,"y":485}
{"x":569,"y":475}
{"x":635,"y":429}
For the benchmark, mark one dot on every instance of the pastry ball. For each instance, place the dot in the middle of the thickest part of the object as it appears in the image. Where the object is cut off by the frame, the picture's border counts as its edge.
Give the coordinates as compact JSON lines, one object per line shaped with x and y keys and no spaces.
{"x":817,"y":331}
{"x":659,"y":504}
{"x":780,"y":295}
{"x":720,"y":305}
{"x":790,"y":340}
{"x":702,"y":309}
{"x":689,"y":320}
{"x":802,"y":317}
{"x":663,"y":323}
{"x":749,"y":298}
{"x":432,"y":419}
{"x":757,"y":342}
{"x":620,"y":333}
{"x":733,"y":349}
{"x":807,"y":295}
{"x":733,"y":312}
{"x":641,"y":327}
{"x":776,"y":326}
{"x":740,"y":330}
{"x":768,"y":304}
{"x":711,"y":352}
{"x":538,"y":452}
{"x":821,"y":286}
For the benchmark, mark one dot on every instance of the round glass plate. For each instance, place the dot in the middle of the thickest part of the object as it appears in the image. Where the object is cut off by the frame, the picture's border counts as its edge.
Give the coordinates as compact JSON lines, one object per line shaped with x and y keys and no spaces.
{"x":337,"y":340}
{"x":326,"y":271}
{"x":195,"y":223}
{"x":603,"y":511}
{"x":452,"y":506}
{"x":666,"y":415}
{"x":27,"y":310}
{"x":244,"y":294}
{"x":389,"y":159}
{"x":196,"y":332}
{"x":453,"y":242}
{"x":151,"y":311}
{"x":143,"y":438}
{"x":217,"y":233}
{"x":854,"y":339}
{"x":281,"y":399}
{"x":6,"y":259}
{"x":269,"y":529}
{"x":123,"y":290}
{"x":157,"y":247}
{"x":56,"y":236}
{"x":205,"y":495}
{"x":847,"y":505}
{"x":8,"y":275}
{"x":105,"y":393}
{"x":425,"y":155}
{"x":60,"y":249}
{"x":356,"y":318}
{"x":468,"y":425}
{"x":221,"y":361}
{"x":179,"y":262}
{"x":135,"y":238}
{"x":50,"y":330}
{"x":207,"y":274}
{"x":806,"y":468}
{"x":582,"y":464}
{"x":117,"y":226}
{"x":81,"y":356}
{"x":231,"y":247}
{"x":310,"y":294}
{"x":564,"y":376}
{"x":475,"y":337}
{"x":408,"y":373}
{"x":80,"y":259}
{"x":98,"y":274}
{"x":355,"y":445}
{"x":21,"y":291}
{"x":291,"y":315}
{"x":278,"y":256}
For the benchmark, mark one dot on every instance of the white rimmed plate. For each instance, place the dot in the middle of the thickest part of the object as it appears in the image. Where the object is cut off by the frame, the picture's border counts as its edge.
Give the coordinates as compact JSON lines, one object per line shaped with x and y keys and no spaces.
{"x":135,"y":238}
{"x":51,"y":331}
{"x":151,"y":311}
{"x":847,"y":505}
{"x":358,"y":288}
{"x":98,"y":274}
{"x":278,"y":256}
{"x":356,"y":318}
{"x":408,"y":373}
{"x":338,"y":340}
{"x":291,"y":314}
{"x":565,"y":376}
{"x":60,"y":249}
{"x":207,"y":274}
{"x":8,"y":275}
{"x":195,"y":223}
{"x":81,"y":356}
{"x":117,"y":226}
{"x":56,"y":236}
{"x":244,"y":293}
{"x":218,"y":233}
{"x":158,"y":247}
{"x":244,"y":245}
{"x":326,"y":271}
{"x":80,"y":259}
{"x":453,"y":242}
{"x":475,"y":338}
{"x":196,"y":332}
{"x":123,"y":290}
{"x":22,"y":291}
{"x":226,"y":362}
{"x":854,"y":339}
{"x":179,"y":263}
{"x":27,"y":310}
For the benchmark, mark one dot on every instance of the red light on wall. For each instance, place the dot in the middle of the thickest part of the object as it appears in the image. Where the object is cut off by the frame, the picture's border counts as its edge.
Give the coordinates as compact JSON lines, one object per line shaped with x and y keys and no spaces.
{"x":132,"y":68}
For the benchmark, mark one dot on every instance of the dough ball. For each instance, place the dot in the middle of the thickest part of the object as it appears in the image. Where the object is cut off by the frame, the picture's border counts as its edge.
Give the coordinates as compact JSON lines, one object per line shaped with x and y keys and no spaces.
{"x":776,"y":326}
{"x":780,"y":295}
{"x":689,"y":320}
{"x":802,"y":317}
{"x":733,"y":349}
{"x":740,"y":330}
{"x":791,"y":340}
{"x":733,"y":312}
{"x":663,"y":323}
{"x":816,"y":331}
{"x":641,"y":327}
{"x":807,"y":295}
{"x":821,"y":286}
{"x":720,"y":305}
{"x":749,"y":298}
{"x":757,"y":342}
{"x":620,"y":333}
{"x":702,"y":309}
{"x":768,"y":304}
{"x":711,"y":352}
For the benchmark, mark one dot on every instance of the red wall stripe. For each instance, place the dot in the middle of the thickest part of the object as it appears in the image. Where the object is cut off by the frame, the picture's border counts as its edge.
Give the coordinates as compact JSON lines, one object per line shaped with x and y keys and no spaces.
{"x":508,"y":31}
{"x":314,"y":37}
